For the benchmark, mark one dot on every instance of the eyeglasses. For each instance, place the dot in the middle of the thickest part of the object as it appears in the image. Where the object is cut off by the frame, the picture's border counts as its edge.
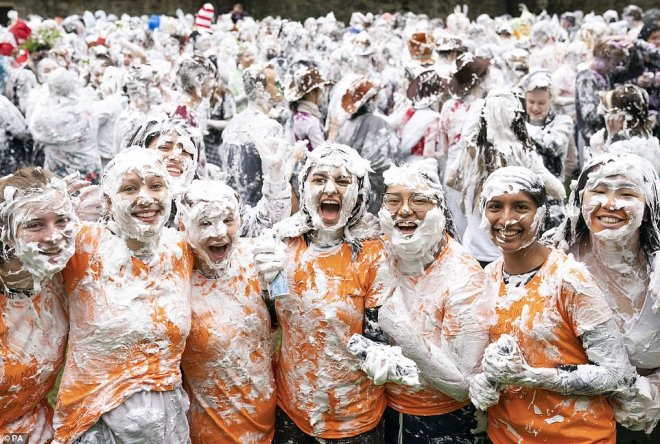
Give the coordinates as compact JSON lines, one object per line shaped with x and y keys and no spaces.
{"x":416,"y":201}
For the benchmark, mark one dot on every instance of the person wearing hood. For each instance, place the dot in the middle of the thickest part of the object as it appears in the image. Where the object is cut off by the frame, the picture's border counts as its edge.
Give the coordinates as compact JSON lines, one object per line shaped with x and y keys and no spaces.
{"x":128,"y":287}
{"x":436,"y":314}
{"x":66,"y":126}
{"x":337,"y":277}
{"x":38,"y":227}
{"x":556,"y":352}
{"x":613,"y":227}
{"x":626,"y":113}
{"x":501,"y":140}
{"x":368,"y":133}
{"x":239,"y":157}
{"x":227,"y":363}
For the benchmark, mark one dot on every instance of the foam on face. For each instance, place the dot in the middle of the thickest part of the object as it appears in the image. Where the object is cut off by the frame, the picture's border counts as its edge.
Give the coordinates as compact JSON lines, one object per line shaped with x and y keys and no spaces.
{"x":182,"y":143}
{"x":332,"y":158}
{"x":203,"y":209}
{"x":511,"y":180}
{"x":23,"y":206}
{"x":143,"y":163}
{"x":615,"y":176}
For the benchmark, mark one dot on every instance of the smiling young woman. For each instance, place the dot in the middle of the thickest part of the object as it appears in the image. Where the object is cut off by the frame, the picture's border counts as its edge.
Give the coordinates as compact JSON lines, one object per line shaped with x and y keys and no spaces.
{"x":128,"y":289}
{"x":38,"y":227}
{"x":436,"y":314}
{"x":614,"y":229}
{"x":555,"y":348}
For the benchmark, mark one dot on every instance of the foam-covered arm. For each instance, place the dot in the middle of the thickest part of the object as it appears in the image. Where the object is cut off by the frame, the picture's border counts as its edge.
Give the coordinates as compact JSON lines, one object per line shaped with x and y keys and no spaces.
{"x":610,"y":372}
{"x":434,"y":363}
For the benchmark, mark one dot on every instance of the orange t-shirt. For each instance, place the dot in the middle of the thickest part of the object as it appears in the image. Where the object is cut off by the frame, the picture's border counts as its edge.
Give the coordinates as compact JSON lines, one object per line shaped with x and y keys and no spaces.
{"x":546,"y":317}
{"x":129,"y":323}
{"x":447,"y":302}
{"x":227,"y":363}
{"x":319,"y":383}
{"x":33,"y":334}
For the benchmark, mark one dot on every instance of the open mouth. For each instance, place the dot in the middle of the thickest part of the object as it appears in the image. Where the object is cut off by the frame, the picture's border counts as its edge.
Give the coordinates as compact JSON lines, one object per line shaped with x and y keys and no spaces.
{"x":407,"y":228}
{"x":330,"y":210}
{"x":146,"y":216}
{"x":217,"y":252}
{"x":174,"y":170}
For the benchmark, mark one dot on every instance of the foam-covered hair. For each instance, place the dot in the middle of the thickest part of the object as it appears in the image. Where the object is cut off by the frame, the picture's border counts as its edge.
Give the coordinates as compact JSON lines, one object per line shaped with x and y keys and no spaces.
{"x":574,"y":228}
{"x":338,"y":155}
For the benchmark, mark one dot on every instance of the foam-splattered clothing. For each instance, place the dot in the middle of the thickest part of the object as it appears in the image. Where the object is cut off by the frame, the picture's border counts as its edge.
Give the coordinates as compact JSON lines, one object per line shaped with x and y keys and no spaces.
{"x":588,"y":84}
{"x":239,"y":158}
{"x":447,"y":303}
{"x":68,"y":129}
{"x":33,"y":334}
{"x":319,"y":383}
{"x":227,"y":362}
{"x":14,"y":136}
{"x":547,"y":316}
{"x":420,"y":134}
{"x":306,"y":124}
{"x":130,"y":320}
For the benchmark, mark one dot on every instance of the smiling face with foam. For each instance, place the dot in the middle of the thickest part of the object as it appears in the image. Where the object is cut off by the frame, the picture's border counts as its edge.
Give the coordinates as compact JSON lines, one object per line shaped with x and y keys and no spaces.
{"x":613,"y":202}
{"x":137,"y":185}
{"x":513,"y":208}
{"x":209,"y":211}
{"x":39,"y":230}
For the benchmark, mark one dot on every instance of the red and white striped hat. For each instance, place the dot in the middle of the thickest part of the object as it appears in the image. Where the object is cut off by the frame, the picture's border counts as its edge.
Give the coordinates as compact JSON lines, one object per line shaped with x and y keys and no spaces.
{"x":204,"y":18}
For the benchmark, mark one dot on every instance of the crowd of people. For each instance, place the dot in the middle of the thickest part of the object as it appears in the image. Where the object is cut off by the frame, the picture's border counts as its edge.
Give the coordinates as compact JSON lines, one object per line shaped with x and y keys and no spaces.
{"x":216,"y":229}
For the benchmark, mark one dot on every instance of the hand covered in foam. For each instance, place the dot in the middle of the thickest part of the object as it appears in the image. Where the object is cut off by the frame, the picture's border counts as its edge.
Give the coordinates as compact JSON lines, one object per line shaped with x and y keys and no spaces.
{"x":269,"y":258}
{"x":483,"y":393}
{"x":638,"y":408}
{"x":383,"y":363}
{"x":503,"y":361}
{"x":89,"y":204}
{"x":276,"y":158}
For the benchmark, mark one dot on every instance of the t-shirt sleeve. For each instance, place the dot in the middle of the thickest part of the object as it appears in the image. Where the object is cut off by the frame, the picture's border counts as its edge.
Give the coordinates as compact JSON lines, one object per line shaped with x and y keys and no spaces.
{"x":87,"y":242}
{"x":583,"y":304}
{"x":377,"y":278}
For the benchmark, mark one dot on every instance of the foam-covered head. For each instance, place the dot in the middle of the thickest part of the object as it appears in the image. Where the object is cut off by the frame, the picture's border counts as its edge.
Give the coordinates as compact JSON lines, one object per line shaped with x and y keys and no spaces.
{"x":38,"y":224}
{"x":136,"y":182}
{"x":414,"y":216}
{"x":339,"y":174}
{"x":511,"y":181}
{"x":624,"y":188}
{"x":502,"y":111}
{"x":62,"y":82}
{"x":209,"y":211}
